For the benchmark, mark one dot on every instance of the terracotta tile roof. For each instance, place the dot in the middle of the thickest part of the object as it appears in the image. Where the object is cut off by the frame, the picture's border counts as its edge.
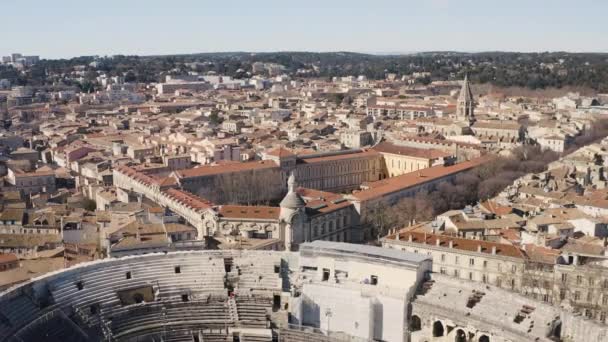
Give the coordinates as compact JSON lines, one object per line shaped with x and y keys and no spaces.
{"x":156,"y":210}
{"x":226,"y":168}
{"x":280,"y":152}
{"x":459,"y":243}
{"x":12,"y":215}
{"x":188,"y":199}
{"x":135,"y":175}
{"x":178,"y":227}
{"x":4,"y":258}
{"x":408,"y":180}
{"x":363,"y":154}
{"x":249,"y":212}
{"x":497,"y":125}
{"x":541,"y":254}
{"x":495,"y":208}
{"x":168,"y":181}
{"x":510,"y":234}
{"x":386,"y":147}
{"x":322,"y":202}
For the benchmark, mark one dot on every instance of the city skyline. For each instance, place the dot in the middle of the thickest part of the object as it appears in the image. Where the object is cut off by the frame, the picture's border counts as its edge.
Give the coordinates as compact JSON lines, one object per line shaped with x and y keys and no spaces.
{"x":64,"y":30}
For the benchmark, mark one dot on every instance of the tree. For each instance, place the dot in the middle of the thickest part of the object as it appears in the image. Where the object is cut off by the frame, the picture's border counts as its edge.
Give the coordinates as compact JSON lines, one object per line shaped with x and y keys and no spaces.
{"x":130,"y":77}
{"x":379,"y":219}
{"x":89,"y":204}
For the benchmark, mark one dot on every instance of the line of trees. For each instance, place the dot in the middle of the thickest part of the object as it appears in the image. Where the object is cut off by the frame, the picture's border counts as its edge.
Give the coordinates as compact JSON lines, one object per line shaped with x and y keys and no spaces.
{"x":526,"y":70}
{"x":469,"y":188}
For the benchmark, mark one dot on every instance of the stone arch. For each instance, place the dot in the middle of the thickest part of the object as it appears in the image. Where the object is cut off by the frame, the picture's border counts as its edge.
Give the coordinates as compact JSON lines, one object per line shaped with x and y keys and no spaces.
{"x":460,"y":336}
{"x":415,"y":323}
{"x":484,"y":338}
{"x":556,"y":329}
{"x":438,"y":329}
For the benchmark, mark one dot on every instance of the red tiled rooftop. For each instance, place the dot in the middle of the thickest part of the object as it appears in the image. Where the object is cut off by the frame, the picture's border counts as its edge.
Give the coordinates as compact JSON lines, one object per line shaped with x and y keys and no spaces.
{"x":386,"y":147}
{"x":188,"y":199}
{"x":399,"y":183}
{"x":459,"y":243}
{"x":280,"y":152}
{"x":249,"y":212}
{"x":363,"y":154}
{"x":4,"y":258}
{"x":226,"y":168}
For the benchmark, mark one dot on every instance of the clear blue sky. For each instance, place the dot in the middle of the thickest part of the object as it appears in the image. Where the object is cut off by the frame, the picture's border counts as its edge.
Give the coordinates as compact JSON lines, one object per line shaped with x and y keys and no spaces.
{"x":66,"y":28}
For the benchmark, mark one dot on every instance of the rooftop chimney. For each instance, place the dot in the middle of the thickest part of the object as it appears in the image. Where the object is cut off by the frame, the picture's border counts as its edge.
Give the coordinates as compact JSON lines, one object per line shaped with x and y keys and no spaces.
{"x":478,"y":248}
{"x":451,"y":244}
{"x":397,"y":236}
{"x":493,"y":250}
{"x":409,"y":239}
{"x":437,"y":242}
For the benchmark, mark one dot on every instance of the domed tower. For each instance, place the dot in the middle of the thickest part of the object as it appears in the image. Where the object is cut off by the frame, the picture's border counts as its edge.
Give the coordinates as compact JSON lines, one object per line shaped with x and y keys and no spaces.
{"x":292,"y":202}
{"x":292,"y":215}
{"x":466,"y":104}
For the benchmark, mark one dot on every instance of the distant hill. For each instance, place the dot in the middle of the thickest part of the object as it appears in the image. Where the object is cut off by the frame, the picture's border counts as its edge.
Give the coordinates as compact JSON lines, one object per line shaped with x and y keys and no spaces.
{"x":530,"y":70}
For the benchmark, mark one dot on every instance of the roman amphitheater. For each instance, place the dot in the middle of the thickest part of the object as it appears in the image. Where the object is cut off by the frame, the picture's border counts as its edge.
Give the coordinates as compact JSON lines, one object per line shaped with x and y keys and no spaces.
{"x":327,"y":291}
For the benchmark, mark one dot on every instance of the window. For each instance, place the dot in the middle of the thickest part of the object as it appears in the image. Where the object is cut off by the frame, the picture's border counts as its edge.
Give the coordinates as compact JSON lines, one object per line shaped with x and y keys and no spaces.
{"x":325,"y":274}
{"x":545,"y":298}
{"x":577,"y":295}
{"x":579,"y":279}
{"x":589,"y":297}
{"x":374,"y":280}
{"x":484,"y":278}
{"x":178,"y":269}
{"x":79,"y":285}
{"x":498,"y":282}
{"x":564,"y":277}
{"x":472,"y":262}
{"x":442,"y":270}
{"x":562,"y":294}
{"x":485,"y":263}
{"x":514,"y":268}
{"x":456,"y":260}
{"x":443,"y":257}
{"x":604,"y":299}
{"x":185,"y":298}
{"x":470,"y":275}
{"x":456,"y":273}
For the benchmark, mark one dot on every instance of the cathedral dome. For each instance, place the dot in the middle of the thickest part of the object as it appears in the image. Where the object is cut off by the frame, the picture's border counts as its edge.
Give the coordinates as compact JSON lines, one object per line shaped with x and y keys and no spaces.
{"x":292,"y":200}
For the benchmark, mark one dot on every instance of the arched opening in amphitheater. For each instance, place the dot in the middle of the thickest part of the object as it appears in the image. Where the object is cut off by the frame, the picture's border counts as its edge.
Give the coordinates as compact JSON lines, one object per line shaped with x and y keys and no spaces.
{"x":461,"y":336}
{"x":438,"y":329}
{"x":415,"y":323}
{"x":484,"y":338}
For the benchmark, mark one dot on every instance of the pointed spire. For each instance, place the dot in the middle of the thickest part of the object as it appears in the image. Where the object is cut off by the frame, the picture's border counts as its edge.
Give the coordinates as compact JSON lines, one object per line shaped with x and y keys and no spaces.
{"x":466,"y":104}
{"x":465,"y":92}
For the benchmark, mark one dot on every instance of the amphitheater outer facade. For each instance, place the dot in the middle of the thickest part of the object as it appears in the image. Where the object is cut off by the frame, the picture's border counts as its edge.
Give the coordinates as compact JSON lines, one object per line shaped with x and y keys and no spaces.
{"x":311,"y":295}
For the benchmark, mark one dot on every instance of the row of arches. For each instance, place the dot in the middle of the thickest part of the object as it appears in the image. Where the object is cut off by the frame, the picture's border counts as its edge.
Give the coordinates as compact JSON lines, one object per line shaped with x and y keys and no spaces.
{"x":439,"y":330}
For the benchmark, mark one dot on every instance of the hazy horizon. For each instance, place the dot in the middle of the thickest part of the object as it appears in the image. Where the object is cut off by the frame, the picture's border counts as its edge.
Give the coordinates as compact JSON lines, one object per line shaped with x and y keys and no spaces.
{"x":67,"y":28}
